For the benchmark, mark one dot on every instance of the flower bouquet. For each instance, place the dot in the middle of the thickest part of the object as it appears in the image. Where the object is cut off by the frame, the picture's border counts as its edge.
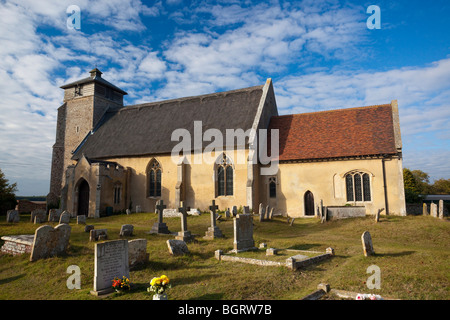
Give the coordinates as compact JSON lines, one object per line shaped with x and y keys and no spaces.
{"x":158,"y":286}
{"x":368,"y":297}
{"x":121,"y":284}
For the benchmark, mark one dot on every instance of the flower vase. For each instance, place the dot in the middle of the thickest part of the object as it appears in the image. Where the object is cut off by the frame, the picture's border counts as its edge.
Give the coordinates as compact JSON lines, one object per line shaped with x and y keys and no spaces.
{"x":162,"y":296}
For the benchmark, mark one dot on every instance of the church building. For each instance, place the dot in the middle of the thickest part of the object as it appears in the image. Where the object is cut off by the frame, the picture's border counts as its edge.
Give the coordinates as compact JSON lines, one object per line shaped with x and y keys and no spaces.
{"x":108,"y":157}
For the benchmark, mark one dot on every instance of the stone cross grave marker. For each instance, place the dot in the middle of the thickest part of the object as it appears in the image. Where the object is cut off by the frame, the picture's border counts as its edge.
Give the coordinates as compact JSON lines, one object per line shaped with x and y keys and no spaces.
{"x":367,"y":244}
{"x":213,"y":231}
{"x":243,"y":233}
{"x":49,"y":241}
{"x":184,"y":234}
{"x":12,"y":216}
{"x":111,"y":261}
{"x":160,"y":226}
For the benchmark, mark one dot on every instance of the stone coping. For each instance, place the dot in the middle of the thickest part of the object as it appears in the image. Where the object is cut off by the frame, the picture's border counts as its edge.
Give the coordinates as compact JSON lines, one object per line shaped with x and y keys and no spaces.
{"x":26,"y":239}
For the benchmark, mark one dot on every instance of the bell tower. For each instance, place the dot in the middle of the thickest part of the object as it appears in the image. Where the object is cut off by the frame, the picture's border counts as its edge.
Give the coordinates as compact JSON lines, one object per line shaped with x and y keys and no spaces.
{"x":84,"y":104}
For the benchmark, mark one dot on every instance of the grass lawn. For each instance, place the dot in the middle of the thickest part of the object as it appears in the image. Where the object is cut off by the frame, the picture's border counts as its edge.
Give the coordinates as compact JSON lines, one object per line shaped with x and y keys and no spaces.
{"x":412,"y":252}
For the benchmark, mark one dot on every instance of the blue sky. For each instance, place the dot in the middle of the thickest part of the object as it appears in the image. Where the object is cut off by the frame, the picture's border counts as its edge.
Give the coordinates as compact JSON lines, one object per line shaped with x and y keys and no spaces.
{"x":319,"y":54}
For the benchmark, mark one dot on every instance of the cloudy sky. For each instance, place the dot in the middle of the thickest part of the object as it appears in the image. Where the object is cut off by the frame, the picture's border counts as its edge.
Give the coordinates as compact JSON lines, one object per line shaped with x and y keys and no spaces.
{"x":320,"y":55}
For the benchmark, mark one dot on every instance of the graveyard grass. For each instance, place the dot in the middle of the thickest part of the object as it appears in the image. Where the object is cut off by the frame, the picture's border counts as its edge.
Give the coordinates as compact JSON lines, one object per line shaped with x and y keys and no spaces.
{"x":412,"y":253}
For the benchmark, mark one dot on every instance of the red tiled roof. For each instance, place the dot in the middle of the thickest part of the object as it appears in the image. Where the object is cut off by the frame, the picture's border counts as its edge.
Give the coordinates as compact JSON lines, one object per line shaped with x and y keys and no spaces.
{"x":336,"y":133}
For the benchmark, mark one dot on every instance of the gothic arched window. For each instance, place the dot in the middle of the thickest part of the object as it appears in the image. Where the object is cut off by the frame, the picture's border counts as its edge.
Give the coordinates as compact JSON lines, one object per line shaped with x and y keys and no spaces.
{"x":358,"y":186}
{"x":154,"y":178}
{"x":225,"y":174}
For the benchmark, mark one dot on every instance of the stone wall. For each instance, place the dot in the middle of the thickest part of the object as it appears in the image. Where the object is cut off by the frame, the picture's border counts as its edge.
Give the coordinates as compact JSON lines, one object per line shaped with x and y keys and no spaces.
{"x":25,"y":206}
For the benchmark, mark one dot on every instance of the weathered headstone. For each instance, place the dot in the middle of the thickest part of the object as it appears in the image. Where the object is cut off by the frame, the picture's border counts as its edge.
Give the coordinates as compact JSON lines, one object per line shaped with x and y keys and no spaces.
{"x":324,"y":214}
{"x":367,"y":244}
{"x":126,"y":230}
{"x":138,"y":209}
{"x":213,"y":231}
{"x":292,"y":222}
{"x":12,"y":216}
{"x":377,"y":215}
{"x":425,"y":209}
{"x":194,"y":212}
{"x":177,"y":247}
{"x":441,"y":209}
{"x":98,"y":234}
{"x":81,"y":219}
{"x":433,"y":210}
{"x":41,"y":214}
{"x":271,"y":213}
{"x":243,"y":233}
{"x":160,"y":226}
{"x":137,"y":252}
{"x":184,"y":235}
{"x":128,"y":212}
{"x":271,"y":252}
{"x":111,"y":261}
{"x":54,"y":214}
{"x":37,"y":220}
{"x":234,"y":211}
{"x":49,"y":241}
{"x":64,"y":218}
{"x":246,"y":210}
{"x":261,"y":212}
{"x":267,"y":211}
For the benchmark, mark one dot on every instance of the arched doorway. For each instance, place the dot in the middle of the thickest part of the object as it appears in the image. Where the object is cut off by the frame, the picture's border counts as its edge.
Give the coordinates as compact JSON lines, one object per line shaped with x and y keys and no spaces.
{"x":83,"y":198}
{"x":309,"y":203}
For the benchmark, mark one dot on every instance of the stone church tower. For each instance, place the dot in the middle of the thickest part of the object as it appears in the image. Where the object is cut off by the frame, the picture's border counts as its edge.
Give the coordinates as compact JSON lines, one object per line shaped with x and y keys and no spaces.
{"x":85,"y":103}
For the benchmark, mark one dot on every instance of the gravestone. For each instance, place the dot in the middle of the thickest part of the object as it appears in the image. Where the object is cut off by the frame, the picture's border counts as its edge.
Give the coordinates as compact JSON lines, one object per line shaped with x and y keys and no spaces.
{"x":49,"y":241}
{"x":213,"y":231}
{"x":54,"y":214}
{"x":425,"y":209}
{"x":367,"y":244}
{"x":227,"y":213}
{"x":110,"y":261}
{"x":177,"y":247}
{"x":292,"y":222}
{"x":41,"y":214}
{"x":81,"y":219}
{"x":271,"y":213}
{"x":126,"y":230}
{"x":267,"y":211}
{"x":377,"y":215}
{"x":128,"y":212}
{"x":98,"y":234}
{"x":138,"y":209}
{"x":12,"y":216}
{"x":194,"y":212}
{"x":271,"y":252}
{"x":160,"y":227}
{"x":64,"y":218}
{"x":246,"y":210}
{"x":37,"y":220}
{"x":234,"y":211}
{"x":137,"y":252}
{"x":433,"y":210}
{"x":261,"y":212}
{"x":243,"y":233}
{"x":441,"y":209}
{"x":184,"y":235}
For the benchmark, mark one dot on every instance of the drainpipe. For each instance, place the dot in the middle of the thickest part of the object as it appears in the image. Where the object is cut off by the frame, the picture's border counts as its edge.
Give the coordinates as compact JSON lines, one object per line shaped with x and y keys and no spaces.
{"x":383,"y":166}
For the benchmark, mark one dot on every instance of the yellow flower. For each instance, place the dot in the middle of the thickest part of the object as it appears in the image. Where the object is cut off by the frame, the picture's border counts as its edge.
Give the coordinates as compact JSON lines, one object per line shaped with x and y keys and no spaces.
{"x":153,"y":281}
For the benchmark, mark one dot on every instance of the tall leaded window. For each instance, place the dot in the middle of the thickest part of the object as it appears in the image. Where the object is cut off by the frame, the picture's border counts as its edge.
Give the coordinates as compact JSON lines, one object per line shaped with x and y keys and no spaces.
{"x":154,"y":179}
{"x":358,"y":186}
{"x":272,"y":187}
{"x":225,"y":174}
{"x":117,"y":193}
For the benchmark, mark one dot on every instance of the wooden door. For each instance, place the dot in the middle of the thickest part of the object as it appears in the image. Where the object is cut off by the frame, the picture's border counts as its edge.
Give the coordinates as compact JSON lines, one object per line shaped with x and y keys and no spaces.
{"x":309,"y":203}
{"x":83,"y":198}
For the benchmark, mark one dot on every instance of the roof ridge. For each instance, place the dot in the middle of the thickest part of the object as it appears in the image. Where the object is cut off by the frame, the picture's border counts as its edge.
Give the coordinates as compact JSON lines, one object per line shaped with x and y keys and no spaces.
{"x":156,"y":103}
{"x":337,"y":110}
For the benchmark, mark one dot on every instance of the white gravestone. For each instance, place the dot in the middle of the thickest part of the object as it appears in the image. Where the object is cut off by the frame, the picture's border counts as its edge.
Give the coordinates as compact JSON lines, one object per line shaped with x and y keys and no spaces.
{"x":111,"y":261}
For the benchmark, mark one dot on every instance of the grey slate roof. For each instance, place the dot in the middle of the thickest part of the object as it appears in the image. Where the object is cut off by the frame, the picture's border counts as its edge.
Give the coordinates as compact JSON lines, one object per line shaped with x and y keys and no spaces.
{"x":97,"y":80}
{"x":147,"y":128}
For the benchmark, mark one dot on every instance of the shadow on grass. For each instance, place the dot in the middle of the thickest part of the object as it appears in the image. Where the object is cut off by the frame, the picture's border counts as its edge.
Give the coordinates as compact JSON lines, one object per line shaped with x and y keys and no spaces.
{"x":10,"y":279}
{"x":209,"y":296}
{"x":396,"y":254}
{"x":304,"y":246}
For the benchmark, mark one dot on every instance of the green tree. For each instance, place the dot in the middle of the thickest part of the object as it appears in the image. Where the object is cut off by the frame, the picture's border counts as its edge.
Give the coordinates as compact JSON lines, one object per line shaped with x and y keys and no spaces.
{"x":7,"y":196}
{"x":441,"y":186}
{"x":422,"y":182}
{"x":411,"y":189}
